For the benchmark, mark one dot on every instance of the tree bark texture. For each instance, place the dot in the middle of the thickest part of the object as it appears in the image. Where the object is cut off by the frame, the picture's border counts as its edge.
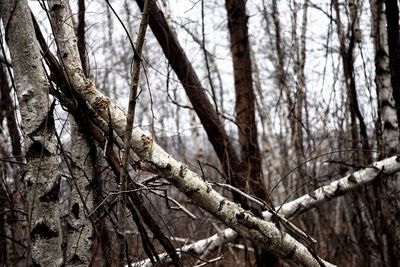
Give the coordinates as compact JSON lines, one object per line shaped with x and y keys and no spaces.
{"x":290,"y":210}
{"x":386,"y":104}
{"x":38,"y":129}
{"x":393,"y":232}
{"x":387,"y":132}
{"x":392,"y":19}
{"x":80,"y":227}
{"x":245,"y":98}
{"x":196,"y":94}
{"x":245,"y":109}
{"x":154,"y":159}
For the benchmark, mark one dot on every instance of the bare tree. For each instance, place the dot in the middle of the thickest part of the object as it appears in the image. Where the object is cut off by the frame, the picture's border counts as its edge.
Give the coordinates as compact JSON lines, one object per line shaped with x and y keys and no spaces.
{"x":38,"y":130}
{"x":254,"y":134}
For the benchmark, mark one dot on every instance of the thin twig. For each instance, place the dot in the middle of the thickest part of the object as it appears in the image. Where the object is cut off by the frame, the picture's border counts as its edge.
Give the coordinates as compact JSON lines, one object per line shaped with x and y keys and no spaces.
{"x":179,"y":206}
{"x":209,"y":261}
{"x":128,"y":130}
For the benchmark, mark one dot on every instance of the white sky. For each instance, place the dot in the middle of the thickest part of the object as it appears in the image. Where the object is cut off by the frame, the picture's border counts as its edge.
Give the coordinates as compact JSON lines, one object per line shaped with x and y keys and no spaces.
{"x":187,"y":13}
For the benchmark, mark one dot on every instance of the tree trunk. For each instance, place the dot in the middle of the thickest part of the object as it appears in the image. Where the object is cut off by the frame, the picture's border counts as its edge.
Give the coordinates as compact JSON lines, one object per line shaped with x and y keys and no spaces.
{"x":348,"y":71}
{"x":154,"y":159}
{"x":392,"y":18}
{"x":15,"y":190}
{"x":38,"y":129}
{"x":196,"y":93}
{"x":245,"y":98}
{"x":245,"y":108}
{"x":80,"y":227}
{"x":387,"y":119}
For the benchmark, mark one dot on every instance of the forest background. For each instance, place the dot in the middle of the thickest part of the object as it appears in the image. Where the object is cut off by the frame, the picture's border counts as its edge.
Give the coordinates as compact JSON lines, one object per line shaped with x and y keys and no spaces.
{"x":139,"y":132}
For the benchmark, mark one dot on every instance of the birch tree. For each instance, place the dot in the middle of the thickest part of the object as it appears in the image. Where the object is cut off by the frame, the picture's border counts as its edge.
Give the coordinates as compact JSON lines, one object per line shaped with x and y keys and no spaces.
{"x":224,"y":191}
{"x":155,"y":159}
{"x":80,"y":201}
{"x":389,"y":123}
{"x":38,"y":130}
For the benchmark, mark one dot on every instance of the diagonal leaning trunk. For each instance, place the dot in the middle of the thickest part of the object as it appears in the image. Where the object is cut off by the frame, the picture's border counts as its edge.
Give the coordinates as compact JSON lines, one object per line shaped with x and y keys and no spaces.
{"x":38,"y":130}
{"x":181,"y":65}
{"x":154,"y":159}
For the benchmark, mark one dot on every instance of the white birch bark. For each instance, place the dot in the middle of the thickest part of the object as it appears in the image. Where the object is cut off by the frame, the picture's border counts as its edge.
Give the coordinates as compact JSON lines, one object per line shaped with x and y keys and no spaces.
{"x":38,"y":130}
{"x":291,"y":209}
{"x":384,"y":87}
{"x":154,"y":159}
{"x":390,"y":134}
{"x":80,"y":232}
{"x":339,"y":187}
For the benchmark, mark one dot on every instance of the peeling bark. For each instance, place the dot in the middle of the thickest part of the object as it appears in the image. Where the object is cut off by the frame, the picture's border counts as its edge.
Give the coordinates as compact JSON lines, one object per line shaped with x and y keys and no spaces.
{"x":178,"y":60}
{"x":154,"y":159}
{"x":379,"y":170}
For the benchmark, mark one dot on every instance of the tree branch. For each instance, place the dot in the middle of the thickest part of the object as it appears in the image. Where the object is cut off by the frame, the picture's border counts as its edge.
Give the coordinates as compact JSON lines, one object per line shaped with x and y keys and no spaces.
{"x":154,"y":159}
{"x":291,"y":209}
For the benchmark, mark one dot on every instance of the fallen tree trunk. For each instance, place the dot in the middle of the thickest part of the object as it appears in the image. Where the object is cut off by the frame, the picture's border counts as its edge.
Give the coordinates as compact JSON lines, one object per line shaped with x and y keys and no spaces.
{"x":154,"y":159}
{"x":293,"y":208}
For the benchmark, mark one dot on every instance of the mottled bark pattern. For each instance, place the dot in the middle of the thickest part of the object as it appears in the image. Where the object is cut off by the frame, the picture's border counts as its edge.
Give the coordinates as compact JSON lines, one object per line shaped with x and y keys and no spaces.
{"x":388,"y":132}
{"x":216,"y":133}
{"x":80,"y":228}
{"x":292,"y":209}
{"x":38,"y":129}
{"x":154,"y":159}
